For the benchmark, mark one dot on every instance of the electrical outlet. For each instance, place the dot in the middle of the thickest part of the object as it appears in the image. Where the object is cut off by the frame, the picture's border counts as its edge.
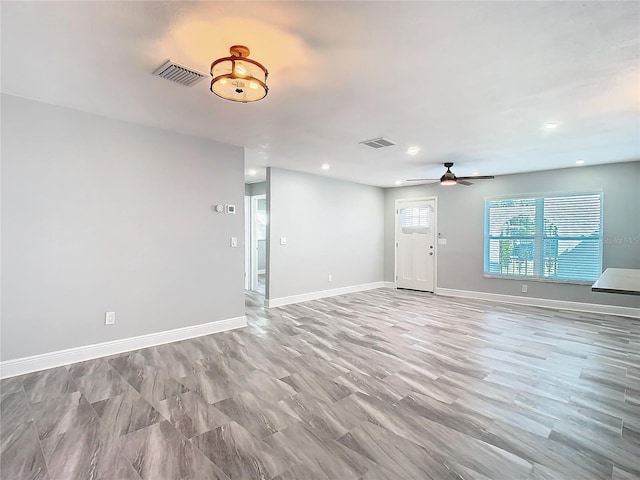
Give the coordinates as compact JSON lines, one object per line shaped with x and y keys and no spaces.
{"x":524,"y":289}
{"x":330,"y":278}
{"x":110,"y":318}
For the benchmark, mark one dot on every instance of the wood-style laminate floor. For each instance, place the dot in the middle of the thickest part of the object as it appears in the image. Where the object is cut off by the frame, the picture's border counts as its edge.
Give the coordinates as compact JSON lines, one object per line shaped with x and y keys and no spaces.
{"x":380,"y":385}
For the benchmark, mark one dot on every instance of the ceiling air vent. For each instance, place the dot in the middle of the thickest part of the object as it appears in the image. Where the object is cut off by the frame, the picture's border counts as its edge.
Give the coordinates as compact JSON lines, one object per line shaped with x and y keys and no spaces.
{"x":378,"y":143}
{"x":179,"y":74}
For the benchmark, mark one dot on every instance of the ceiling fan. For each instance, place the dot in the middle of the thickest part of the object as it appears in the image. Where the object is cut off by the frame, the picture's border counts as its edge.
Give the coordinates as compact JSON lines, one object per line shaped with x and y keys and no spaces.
{"x":449,"y":177}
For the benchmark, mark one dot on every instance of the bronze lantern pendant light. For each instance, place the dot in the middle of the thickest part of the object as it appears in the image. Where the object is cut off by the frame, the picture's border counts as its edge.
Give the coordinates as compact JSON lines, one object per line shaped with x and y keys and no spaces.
{"x":238,"y":78}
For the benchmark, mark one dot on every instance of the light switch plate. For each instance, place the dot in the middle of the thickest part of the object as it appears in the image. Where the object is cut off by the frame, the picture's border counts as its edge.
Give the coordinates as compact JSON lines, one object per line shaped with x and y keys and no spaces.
{"x":234,"y":242}
{"x":283,"y":240}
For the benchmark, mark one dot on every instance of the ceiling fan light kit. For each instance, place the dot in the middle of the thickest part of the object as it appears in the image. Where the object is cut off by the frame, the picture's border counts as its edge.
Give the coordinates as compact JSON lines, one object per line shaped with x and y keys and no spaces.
{"x":449,"y":178}
{"x":238,"y":78}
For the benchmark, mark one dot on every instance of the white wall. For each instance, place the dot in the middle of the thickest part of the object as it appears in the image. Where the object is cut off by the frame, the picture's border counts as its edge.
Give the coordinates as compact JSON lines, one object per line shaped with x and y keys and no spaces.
{"x":461,"y":222}
{"x":101,"y":215}
{"x":332,"y":227}
{"x":254,"y":189}
{"x":262,"y":242}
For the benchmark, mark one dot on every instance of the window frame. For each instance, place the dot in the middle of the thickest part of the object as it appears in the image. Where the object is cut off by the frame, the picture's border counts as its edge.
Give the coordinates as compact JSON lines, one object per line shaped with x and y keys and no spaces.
{"x":537,"y":238}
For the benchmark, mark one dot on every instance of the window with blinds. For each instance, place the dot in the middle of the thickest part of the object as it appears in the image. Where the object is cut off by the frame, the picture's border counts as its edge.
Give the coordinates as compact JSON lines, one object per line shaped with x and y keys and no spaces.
{"x":555,"y":237}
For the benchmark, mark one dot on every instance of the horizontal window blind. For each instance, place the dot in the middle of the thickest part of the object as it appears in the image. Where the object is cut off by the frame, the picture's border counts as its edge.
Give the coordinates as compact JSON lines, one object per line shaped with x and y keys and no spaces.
{"x":415,"y":219}
{"x":555,"y":237}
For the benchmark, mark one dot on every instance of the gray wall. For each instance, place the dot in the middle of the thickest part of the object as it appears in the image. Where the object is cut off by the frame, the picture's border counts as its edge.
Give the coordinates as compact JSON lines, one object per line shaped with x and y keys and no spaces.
{"x":332,"y":227}
{"x":461,"y":217}
{"x":100,"y":215}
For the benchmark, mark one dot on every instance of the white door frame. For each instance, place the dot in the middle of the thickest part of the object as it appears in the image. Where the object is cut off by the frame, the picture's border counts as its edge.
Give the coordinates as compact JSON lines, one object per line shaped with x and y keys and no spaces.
{"x":395,"y":237}
{"x":247,"y":242}
{"x":254,"y":239}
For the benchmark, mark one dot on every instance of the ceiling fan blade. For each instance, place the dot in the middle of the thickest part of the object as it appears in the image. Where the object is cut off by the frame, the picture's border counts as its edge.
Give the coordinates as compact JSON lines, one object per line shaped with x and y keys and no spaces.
{"x":464,"y":182}
{"x":477,"y":177}
{"x":422,"y":180}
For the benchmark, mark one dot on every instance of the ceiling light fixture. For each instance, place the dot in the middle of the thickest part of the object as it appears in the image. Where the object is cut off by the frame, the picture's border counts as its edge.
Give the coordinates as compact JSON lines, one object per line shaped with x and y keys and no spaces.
{"x":551,"y":125}
{"x":579,"y":162}
{"x":475,"y":173}
{"x":238,"y":78}
{"x":398,"y":182}
{"x":252,"y":172}
{"x":448,"y":178}
{"x":325,"y":166}
{"x":413,"y":150}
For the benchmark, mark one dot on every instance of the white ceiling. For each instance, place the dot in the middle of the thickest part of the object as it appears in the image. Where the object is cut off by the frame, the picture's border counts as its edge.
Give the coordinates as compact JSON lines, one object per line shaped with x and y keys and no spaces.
{"x":469,"y":82}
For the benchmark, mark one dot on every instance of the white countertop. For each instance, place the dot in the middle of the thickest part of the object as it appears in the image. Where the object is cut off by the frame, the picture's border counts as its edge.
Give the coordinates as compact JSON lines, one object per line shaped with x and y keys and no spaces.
{"x":618,"y":280}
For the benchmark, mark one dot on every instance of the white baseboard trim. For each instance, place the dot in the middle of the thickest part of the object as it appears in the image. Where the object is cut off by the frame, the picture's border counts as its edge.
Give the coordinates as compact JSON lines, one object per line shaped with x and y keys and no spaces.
{"x":542,"y":302}
{"x":305,"y":297}
{"x":20,"y":366}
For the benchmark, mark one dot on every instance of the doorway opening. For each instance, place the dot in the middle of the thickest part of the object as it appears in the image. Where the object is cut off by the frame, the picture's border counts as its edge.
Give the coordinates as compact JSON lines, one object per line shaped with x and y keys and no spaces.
{"x":258,"y":243}
{"x":255,"y":243}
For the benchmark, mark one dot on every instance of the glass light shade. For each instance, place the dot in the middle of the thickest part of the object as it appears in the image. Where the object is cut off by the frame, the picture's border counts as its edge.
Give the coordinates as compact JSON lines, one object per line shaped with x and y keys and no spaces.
{"x":448,"y":178}
{"x":238,"y":78}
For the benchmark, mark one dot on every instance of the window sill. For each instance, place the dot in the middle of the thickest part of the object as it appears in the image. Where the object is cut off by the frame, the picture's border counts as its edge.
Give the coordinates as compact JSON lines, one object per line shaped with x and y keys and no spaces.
{"x":539,"y":279}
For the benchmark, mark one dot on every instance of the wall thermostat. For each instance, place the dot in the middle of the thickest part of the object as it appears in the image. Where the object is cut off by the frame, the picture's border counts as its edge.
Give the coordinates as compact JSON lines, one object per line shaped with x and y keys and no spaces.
{"x":230,"y":209}
{"x":219,"y":208}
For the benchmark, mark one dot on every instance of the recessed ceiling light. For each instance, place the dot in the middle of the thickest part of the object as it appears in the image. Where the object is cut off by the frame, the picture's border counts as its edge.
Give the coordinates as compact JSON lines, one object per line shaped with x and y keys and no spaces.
{"x":251,"y":171}
{"x":551,"y":125}
{"x":413,"y":150}
{"x":325,"y":166}
{"x":579,"y":162}
{"x":398,"y":182}
{"x":475,"y":173}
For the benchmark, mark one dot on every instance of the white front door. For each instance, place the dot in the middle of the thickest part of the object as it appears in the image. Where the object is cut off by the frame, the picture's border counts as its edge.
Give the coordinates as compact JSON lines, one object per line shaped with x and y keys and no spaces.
{"x":416,"y":244}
